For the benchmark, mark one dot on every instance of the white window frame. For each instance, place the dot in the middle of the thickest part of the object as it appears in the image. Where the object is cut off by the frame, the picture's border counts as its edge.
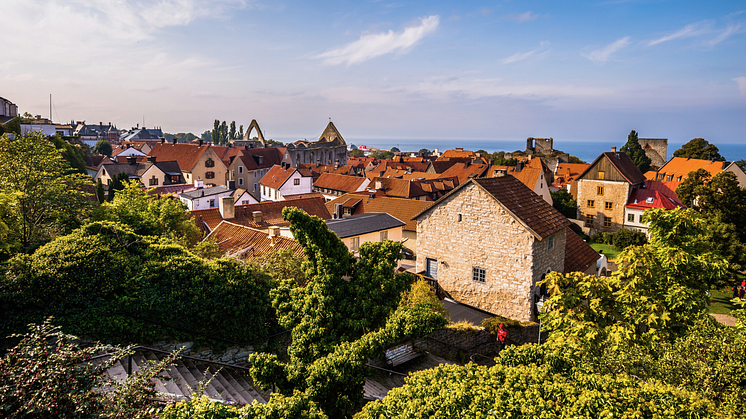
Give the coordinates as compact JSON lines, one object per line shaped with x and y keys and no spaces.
{"x":478,"y":274}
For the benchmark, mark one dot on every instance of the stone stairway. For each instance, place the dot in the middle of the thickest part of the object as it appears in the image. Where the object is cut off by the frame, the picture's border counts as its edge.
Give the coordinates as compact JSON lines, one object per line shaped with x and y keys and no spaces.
{"x":185,"y":376}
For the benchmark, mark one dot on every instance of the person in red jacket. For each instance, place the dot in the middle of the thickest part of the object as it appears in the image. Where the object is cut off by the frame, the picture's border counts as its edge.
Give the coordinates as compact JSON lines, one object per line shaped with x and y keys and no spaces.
{"x":502,"y":334}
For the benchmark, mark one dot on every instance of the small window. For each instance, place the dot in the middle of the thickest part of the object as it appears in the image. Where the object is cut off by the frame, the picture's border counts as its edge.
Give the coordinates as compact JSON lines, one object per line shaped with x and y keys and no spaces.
{"x":607,"y":221}
{"x":240,"y":181}
{"x":678,"y":179}
{"x":212,"y":203}
{"x":384,"y":235}
{"x":478,"y":274}
{"x":296,"y":181}
{"x":240,"y":169}
{"x":209,"y":175}
{"x":640,"y":219}
{"x":209,"y":163}
{"x":589,"y":219}
{"x":347,"y":211}
{"x":600,"y":190}
{"x":601,"y":175}
{"x":255,"y":173}
{"x":669,"y":178}
{"x":431,"y":268}
{"x":355,"y":244}
{"x":550,"y":243}
{"x":459,"y":218}
{"x":255,"y":185}
{"x":631,"y":218}
{"x":607,"y":205}
{"x":591,"y":203}
{"x":245,"y":202}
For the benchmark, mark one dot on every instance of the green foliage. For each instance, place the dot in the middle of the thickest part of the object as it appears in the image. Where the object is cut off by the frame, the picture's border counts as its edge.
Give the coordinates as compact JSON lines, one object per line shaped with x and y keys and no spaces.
{"x":422,"y":294}
{"x":73,"y":154}
{"x":100,"y":194}
{"x":625,"y":238}
{"x":103,"y":268}
{"x":151,"y":215}
{"x":563,"y":202}
{"x":423,"y":152}
{"x":395,"y":150}
{"x":283,"y":265}
{"x":117,"y":184}
{"x":575,"y":160}
{"x":659,"y":290}
{"x":45,"y":198}
{"x":741,"y":163}
{"x":206,"y":136}
{"x":357,"y":153}
{"x":48,"y":375}
{"x":102,"y":147}
{"x":699,"y":148}
{"x":603,"y":237}
{"x":382,"y":155}
{"x":207,"y":249}
{"x":491,"y":324}
{"x":232,"y":131}
{"x":12,"y":126}
{"x":634,"y":151}
{"x":279,"y":407}
{"x":501,"y":161}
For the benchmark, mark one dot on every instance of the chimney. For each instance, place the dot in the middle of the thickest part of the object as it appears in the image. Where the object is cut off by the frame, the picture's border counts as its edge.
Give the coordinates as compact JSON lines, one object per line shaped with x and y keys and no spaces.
{"x":519,"y":166}
{"x":227,"y":208}
{"x":257,"y":216}
{"x":371,"y":194}
{"x":200,"y":143}
{"x":173,"y":141}
{"x":379,"y":185}
{"x":232,"y":184}
{"x":132,"y":160}
{"x":198,"y":184}
{"x":613,"y":149}
{"x":151,"y":159}
{"x":163,"y":140}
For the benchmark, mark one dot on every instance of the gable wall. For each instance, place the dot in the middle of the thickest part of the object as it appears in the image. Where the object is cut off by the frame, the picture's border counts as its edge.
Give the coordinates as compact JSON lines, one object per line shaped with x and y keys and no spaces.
{"x":610,"y":172}
{"x":488,"y":237}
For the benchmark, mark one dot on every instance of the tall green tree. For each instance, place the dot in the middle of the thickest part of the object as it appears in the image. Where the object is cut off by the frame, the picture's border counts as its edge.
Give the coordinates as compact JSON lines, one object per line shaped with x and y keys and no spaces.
{"x":102,"y":147}
{"x":216,"y":132}
{"x":232,"y":131}
{"x":47,"y":197}
{"x":699,"y":148}
{"x":635,"y":152}
{"x":117,"y":184}
{"x":240,"y":132}
{"x":223,"y":132}
{"x":563,"y":202}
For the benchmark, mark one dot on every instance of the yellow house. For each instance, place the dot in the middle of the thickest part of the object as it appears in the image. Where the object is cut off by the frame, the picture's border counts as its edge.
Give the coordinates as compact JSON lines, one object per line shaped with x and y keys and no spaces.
{"x":369,"y":227}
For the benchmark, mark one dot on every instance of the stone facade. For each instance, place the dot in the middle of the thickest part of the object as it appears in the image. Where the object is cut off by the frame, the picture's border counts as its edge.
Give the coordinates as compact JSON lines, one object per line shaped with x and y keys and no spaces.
{"x":539,"y":145}
{"x":656,"y":149}
{"x":604,"y":219}
{"x":331,"y":148}
{"x":470,"y":229}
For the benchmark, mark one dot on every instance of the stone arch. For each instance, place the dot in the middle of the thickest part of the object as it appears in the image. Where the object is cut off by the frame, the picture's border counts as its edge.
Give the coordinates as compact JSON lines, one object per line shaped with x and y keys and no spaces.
{"x":255,"y":126}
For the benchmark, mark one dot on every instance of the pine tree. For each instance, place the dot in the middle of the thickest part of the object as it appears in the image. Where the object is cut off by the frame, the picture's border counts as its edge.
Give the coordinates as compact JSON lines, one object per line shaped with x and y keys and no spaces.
{"x":636,"y":153}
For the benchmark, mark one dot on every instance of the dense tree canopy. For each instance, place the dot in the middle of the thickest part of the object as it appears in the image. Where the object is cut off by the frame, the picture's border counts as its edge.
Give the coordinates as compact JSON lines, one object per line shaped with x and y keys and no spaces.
{"x":46,"y":198}
{"x":103,"y":147}
{"x":563,"y":202}
{"x":635,"y":152}
{"x":357,"y":153}
{"x":699,"y":148}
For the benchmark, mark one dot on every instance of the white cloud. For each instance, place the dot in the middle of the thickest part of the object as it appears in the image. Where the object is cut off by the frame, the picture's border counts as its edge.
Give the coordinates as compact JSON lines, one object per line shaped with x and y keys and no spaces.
{"x":604,"y":54}
{"x":741,"y":84}
{"x":374,"y":45}
{"x":693,"y":29}
{"x":725,"y":34}
{"x":524,"y":55}
{"x":522,"y":17}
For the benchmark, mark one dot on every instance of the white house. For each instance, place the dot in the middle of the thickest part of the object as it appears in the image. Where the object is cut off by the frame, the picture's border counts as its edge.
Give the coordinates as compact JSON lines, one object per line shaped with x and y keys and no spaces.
{"x":205,"y":198}
{"x":284,"y":180}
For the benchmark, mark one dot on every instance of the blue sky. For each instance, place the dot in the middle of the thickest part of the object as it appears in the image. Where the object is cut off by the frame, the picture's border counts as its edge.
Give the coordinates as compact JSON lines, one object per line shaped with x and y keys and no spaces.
{"x":503,"y":70}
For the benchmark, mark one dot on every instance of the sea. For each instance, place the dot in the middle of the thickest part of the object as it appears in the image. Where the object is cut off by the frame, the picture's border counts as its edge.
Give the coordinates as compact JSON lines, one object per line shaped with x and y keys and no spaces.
{"x":584,"y":150}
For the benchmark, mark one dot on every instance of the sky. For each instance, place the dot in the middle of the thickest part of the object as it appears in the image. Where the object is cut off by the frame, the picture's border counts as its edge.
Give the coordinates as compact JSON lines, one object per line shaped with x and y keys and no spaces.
{"x":467,"y":70}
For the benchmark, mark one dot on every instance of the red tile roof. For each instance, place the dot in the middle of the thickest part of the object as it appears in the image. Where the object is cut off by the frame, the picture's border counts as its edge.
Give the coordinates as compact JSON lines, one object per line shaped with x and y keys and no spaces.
{"x":579,"y":256}
{"x":648,"y":198}
{"x":361,"y":202}
{"x":464,"y":171}
{"x":458,"y":153}
{"x":401,"y":188}
{"x":277,"y":176}
{"x":247,"y":243}
{"x":342,"y":183}
{"x":272,"y":211}
{"x":187,"y":155}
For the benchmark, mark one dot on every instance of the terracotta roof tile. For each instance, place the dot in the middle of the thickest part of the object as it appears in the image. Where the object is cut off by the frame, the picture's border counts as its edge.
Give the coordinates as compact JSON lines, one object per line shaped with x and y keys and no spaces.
{"x":247,"y":243}
{"x":678,"y":168}
{"x":277,"y":176}
{"x":187,"y":155}
{"x":206,"y":219}
{"x":403,"y":209}
{"x":272,"y":211}
{"x":464,"y":171}
{"x":342,"y":183}
{"x":458,"y":153}
{"x":579,"y":256}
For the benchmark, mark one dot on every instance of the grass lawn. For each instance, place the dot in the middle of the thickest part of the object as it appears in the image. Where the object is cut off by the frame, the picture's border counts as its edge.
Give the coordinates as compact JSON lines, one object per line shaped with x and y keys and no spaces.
{"x":610,"y":251}
{"x":720,"y":301}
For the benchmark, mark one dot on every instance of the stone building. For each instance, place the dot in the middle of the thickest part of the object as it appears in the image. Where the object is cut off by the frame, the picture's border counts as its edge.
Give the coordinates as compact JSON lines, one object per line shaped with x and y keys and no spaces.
{"x":539,"y":145}
{"x":604,"y":189}
{"x":488,"y":242}
{"x":331,"y":148}
{"x":656,"y":149}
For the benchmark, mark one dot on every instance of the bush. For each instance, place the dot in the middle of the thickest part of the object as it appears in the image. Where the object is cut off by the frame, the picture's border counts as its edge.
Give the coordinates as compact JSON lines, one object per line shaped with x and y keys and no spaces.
{"x":625,"y":238}
{"x":602,"y":237}
{"x":493,"y":323}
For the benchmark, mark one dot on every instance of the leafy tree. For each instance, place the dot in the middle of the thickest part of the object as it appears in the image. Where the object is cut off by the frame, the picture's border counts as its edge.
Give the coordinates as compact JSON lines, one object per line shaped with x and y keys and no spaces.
{"x":383,"y":155}
{"x":423,"y":152}
{"x":240,"y":132}
{"x":501,"y":161}
{"x":48,"y":375}
{"x":699,"y":148}
{"x":151,"y":215}
{"x":422,"y":294}
{"x":282,"y":265}
{"x":659,"y":290}
{"x":626,"y":237}
{"x":207,"y":136}
{"x":223,"y":133}
{"x":634,"y":150}
{"x":73,"y":154}
{"x":9,"y":241}
{"x":118,"y":183}
{"x":357,"y":153}
{"x":102,"y":147}
{"x":232,"y":131}
{"x":563,"y":202}
{"x":216,"y":132}
{"x":100,"y":194}
{"x":47,"y":199}
{"x":741,"y":163}
{"x":575,"y":160}
{"x":395,"y":150}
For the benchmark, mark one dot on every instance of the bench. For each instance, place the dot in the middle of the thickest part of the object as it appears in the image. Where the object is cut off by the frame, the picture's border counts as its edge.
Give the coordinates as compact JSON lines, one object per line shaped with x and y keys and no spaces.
{"x":399,"y":354}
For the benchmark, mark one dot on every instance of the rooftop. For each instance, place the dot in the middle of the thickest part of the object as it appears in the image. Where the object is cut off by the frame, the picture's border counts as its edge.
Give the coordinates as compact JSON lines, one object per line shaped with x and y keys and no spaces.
{"x":357,"y":225}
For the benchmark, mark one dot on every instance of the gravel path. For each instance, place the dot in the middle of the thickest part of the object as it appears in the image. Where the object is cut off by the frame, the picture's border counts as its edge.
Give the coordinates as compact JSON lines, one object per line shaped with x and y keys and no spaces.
{"x":724,"y":319}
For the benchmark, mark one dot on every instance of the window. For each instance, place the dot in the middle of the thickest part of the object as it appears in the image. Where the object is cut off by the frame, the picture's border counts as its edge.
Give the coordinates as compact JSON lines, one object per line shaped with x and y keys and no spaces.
{"x":209,"y":163}
{"x":255,"y":173}
{"x":209,"y":175}
{"x":384,"y":235}
{"x":459,"y":218}
{"x":678,"y":179}
{"x":589,"y":219}
{"x":600,"y":190}
{"x":240,"y":181}
{"x":640,"y":219}
{"x":601,"y":175}
{"x":347,"y":211}
{"x":255,"y":185}
{"x":478,"y":274}
{"x":550,"y":243}
{"x":212,"y":203}
{"x":431,"y":268}
{"x":245,"y":202}
{"x":296,"y":181}
{"x":240,"y":169}
{"x":355,"y":244}
{"x":153,"y":181}
{"x":669,"y":177}
{"x":607,"y":205}
{"x":591,"y":203}
{"x":631,"y":218}
{"x":607,"y":221}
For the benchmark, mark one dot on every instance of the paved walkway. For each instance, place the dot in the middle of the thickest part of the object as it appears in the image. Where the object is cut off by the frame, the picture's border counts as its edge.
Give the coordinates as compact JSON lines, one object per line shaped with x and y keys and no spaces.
{"x":724,"y":319}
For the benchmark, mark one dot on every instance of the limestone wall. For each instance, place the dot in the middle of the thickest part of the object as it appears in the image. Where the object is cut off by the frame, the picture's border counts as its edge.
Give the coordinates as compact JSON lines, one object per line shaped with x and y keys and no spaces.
{"x":615,"y":192}
{"x":487,"y":237}
{"x":656,"y":149}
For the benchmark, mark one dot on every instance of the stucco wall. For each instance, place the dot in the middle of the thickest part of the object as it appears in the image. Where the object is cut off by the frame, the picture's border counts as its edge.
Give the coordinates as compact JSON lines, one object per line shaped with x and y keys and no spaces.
{"x":615,"y":192}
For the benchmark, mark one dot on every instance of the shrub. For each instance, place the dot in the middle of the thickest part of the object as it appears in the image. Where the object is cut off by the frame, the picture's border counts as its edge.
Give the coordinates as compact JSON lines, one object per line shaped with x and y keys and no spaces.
{"x":625,"y":238}
{"x":493,"y":323}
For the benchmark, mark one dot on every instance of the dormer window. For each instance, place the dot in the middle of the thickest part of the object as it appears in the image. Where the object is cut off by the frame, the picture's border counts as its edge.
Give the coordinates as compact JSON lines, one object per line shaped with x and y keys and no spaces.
{"x":650,"y":199}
